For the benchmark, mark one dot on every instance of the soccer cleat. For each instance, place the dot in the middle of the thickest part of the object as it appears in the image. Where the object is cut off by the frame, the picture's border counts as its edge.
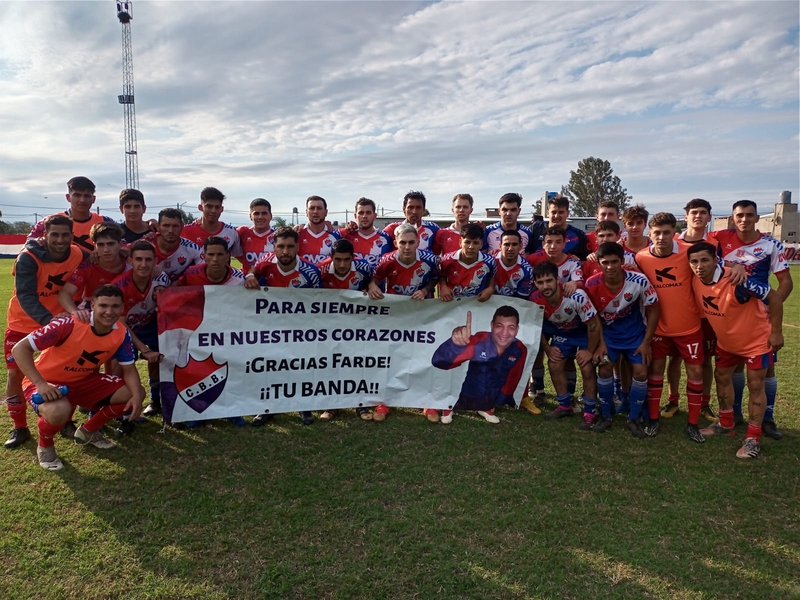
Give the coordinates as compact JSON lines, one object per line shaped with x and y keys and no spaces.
{"x":238,"y":421}
{"x":539,"y":399}
{"x":380,"y":414}
{"x":489,"y":417}
{"x":587,"y":423}
{"x":447,"y":417}
{"x":717,"y":429}
{"x":652,"y":429}
{"x":636,"y":429}
{"x":669,"y":410}
{"x":153,"y":409}
{"x":363,"y":413}
{"x":19,"y":435}
{"x":124,"y":427}
{"x":559,"y":413}
{"x":527,"y":404}
{"x":577,"y":406}
{"x":48,"y":459}
{"x":769,"y":429}
{"x":431,"y":414}
{"x":95,"y":438}
{"x":602,"y":425}
{"x":327,"y":415}
{"x":261,"y":419}
{"x":694,"y":433}
{"x":306,"y":417}
{"x":708,"y":414}
{"x":68,"y":430}
{"x":750,"y":449}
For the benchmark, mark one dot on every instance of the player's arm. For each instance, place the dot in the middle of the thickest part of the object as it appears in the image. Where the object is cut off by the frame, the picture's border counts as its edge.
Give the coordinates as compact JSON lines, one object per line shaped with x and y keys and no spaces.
{"x":374,"y":290}
{"x":151,"y":356}
{"x":736,"y":272}
{"x":23,"y":355}
{"x":487,"y":292}
{"x":652,"y":313}
{"x":595,"y":335}
{"x":775,"y":320}
{"x":65,"y":298}
{"x":445,"y":291}
{"x":553,"y":353}
{"x":131,"y":377}
{"x":785,"y":285}
{"x":251,"y":282}
{"x":25,"y":284}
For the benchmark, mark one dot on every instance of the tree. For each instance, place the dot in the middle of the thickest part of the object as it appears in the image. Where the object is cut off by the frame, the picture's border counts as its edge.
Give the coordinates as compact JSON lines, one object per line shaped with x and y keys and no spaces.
{"x":592,"y":183}
{"x":186,"y":217}
{"x":279,"y":222}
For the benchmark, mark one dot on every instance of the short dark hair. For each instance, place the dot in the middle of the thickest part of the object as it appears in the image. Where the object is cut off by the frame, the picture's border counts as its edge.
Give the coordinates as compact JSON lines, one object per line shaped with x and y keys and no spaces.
{"x":131,"y":194}
{"x":609,"y":249}
{"x":608,"y":226}
{"x":544,"y":269}
{"x":506,"y":311}
{"x":507,"y":232}
{"x":343,"y":246}
{"x":744,"y":204}
{"x":260,"y":202}
{"x":366,"y":202}
{"x":412,"y":195}
{"x":697,"y":203}
{"x":211,"y":193}
{"x":472,"y":231}
{"x":555,"y":231}
{"x":510,"y":197}
{"x":316,"y":199}
{"x":108,"y":290}
{"x":57,"y":220}
{"x":284,"y":232}
{"x":80,"y":183}
{"x":142,"y":246}
{"x":635,"y":213}
{"x":663,"y":218}
{"x":170,"y":213}
{"x":702,"y":246}
{"x":215,"y":240}
{"x":559,"y":201}
{"x":608,"y":204}
{"x":106,"y":229}
{"x":466,"y":197}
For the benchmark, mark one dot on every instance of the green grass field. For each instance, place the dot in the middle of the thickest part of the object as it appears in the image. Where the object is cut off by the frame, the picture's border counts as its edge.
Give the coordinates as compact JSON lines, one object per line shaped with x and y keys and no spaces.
{"x":526,"y":509}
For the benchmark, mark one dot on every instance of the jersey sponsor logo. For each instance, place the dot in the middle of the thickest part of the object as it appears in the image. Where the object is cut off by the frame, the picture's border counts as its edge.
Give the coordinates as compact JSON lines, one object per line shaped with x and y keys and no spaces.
{"x":662,"y":274}
{"x":56,"y":280}
{"x":83,"y":241}
{"x":708,"y":302}
{"x":91,"y":357}
{"x":200,"y":383}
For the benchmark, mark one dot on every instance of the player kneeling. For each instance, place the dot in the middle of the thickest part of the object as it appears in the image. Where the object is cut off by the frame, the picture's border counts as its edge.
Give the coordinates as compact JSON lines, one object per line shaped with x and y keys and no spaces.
{"x":71,"y":355}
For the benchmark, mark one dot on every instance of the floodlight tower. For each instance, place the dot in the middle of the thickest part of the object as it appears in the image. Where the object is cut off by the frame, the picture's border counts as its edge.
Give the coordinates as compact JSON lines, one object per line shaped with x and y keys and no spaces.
{"x":125,"y":16}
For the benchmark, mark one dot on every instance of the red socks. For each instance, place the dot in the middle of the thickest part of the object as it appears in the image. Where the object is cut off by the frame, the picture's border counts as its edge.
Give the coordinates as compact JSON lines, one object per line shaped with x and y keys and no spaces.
{"x":655,"y":386}
{"x":103,"y":416}
{"x":47,"y":432}
{"x":17,"y":410}
{"x":694,"y":394}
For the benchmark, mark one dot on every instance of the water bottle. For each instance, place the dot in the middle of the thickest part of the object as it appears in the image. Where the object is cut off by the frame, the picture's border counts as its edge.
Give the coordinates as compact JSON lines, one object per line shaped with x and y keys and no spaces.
{"x":37,"y":397}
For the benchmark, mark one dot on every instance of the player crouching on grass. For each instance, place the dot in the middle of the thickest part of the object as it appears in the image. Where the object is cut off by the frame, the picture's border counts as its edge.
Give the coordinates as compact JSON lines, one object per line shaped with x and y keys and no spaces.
{"x":71,"y":355}
{"x":747,"y":333}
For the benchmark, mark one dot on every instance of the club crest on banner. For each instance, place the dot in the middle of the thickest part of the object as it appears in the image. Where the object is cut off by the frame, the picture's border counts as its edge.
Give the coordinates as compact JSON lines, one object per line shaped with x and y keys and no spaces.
{"x":200,"y":383}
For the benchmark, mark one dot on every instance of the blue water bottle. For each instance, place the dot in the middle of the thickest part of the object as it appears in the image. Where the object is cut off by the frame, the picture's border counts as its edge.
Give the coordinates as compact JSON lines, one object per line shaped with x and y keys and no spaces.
{"x":37,"y":397}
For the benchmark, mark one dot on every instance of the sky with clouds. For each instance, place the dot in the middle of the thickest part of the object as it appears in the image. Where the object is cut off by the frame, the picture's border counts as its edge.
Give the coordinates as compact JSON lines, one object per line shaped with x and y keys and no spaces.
{"x":283,"y":100}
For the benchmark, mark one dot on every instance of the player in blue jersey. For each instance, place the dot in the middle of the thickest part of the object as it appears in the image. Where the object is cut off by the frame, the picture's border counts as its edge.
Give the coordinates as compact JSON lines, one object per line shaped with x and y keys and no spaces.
{"x":628,"y":308}
{"x":509,"y":207}
{"x":571,"y":330}
{"x":514,"y":275}
{"x":575,"y":241}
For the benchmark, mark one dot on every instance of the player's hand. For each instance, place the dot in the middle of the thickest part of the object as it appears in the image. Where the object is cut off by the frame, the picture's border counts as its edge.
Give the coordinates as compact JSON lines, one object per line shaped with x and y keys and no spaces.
{"x":445,"y":292}
{"x":554,"y":353}
{"x":299,"y":227}
{"x":94,"y":257}
{"x":351,"y":227}
{"x":775,"y":341}
{"x":153,"y":225}
{"x":486,"y":294}
{"x":645,"y":352}
{"x":375,"y":292}
{"x":83,"y":315}
{"x":134,"y":406}
{"x":329,"y":226}
{"x":462,"y":334}
{"x":570,"y":287}
{"x":157,"y":270}
{"x":419,"y":295}
{"x":48,"y":392}
{"x":737,"y":274}
{"x":153,"y":356}
{"x":251,"y":283}
{"x":584,"y":357}
{"x":592,"y":257}
{"x":600,"y":355}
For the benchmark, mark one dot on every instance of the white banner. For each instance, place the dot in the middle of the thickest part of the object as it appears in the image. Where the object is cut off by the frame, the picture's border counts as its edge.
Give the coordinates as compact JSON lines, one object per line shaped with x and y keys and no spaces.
{"x":230,"y":351}
{"x":792,"y":253}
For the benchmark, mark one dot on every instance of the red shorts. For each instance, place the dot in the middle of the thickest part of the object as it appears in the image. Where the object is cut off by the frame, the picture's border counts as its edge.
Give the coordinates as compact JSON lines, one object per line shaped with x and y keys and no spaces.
{"x":709,"y":337}
{"x":689,"y":347}
{"x":753,"y":363}
{"x":12,"y":337}
{"x":86,"y":393}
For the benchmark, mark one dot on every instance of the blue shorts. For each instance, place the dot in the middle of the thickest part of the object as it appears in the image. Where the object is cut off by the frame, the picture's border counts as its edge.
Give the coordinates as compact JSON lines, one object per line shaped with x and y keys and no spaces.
{"x":149,"y":335}
{"x":628,"y":353}
{"x":569,"y":346}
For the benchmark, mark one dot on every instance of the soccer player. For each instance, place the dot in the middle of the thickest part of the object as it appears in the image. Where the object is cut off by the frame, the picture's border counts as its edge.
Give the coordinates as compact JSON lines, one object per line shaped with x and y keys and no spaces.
{"x":39,"y":274}
{"x":369,"y":243}
{"x":131,"y":205}
{"x":678,"y":333}
{"x":315,"y":240}
{"x":698,"y":216}
{"x":80,"y":195}
{"x":514,"y":275}
{"x":284,"y":268}
{"x":575,"y":241}
{"x":140,"y":287}
{"x":89,"y":276}
{"x":257,"y":240}
{"x":747,"y":333}
{"x":509,"y":207}
{"x":629,"y":309}
{"x":408,"y":271}
{"x":761,"y":255}
{"x":71,"y":354}
{"x":467,"y":272}
{"x":634,"y":219}
{"x":606,"y":231}
{"x":449,"y":239}
{"x":553,"y":251}
{"x":496,"y":363}
{"x":571,"y":331}
{"x":607,"y":212}
{"x":174,"y":254}
{"x":414,"y":210}
{"x":209,"y":225}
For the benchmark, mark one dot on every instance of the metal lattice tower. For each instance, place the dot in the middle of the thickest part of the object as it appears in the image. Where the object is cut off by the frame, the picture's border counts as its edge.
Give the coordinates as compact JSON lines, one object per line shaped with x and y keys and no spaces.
{"x":125,"y":16}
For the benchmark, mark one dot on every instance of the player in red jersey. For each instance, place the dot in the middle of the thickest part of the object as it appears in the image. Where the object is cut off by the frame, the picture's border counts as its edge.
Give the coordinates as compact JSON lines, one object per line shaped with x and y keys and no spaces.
{"x":678,"y":332}
{"x":174,"y":254}
{"x":369,"y":243}
{"x":747,"y":333}
{"x":39,"y":274}
{"x":607,"y":212}
{"x":72,"y":353}
{"x":467,"y":272}
{"x":257,"y":240}
{"x":209,"y":224}
{"x":449,"y":239}
{"x":509,"y":206}
{"x":407,"y":271}
{"x":634,"y":219}
{"x":89,"y":276}
{"x":315,"y":241}
{"x":514,"y":275}
{"x":81,"y":198}
{"x":414,"y":209}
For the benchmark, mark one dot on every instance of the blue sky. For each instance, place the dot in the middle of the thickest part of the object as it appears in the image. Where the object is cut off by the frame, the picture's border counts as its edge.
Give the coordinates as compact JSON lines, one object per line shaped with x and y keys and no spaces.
{"x":283,"y":100}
